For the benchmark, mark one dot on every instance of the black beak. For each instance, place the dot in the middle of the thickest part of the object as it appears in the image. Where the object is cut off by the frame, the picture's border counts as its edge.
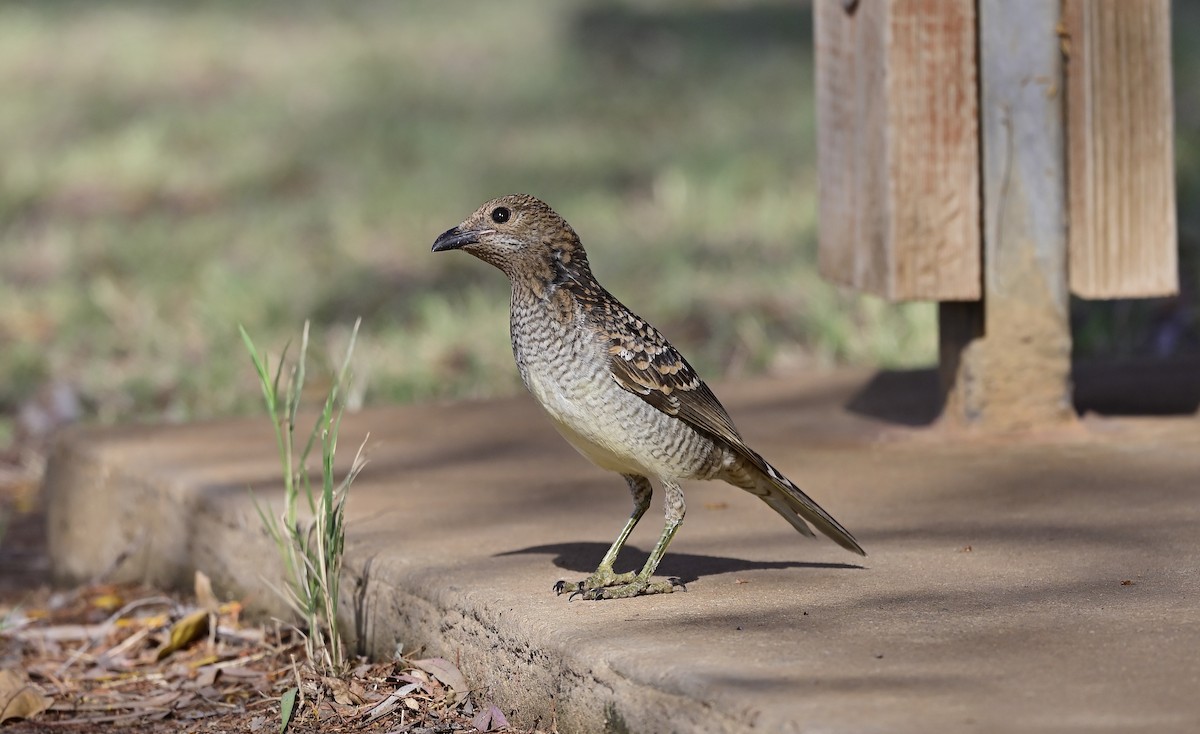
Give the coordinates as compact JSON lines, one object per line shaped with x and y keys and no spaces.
{"x":454,"y":238}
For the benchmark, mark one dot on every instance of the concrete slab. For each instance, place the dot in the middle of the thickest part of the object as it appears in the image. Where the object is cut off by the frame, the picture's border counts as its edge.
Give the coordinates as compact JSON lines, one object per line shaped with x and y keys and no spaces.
{"x":1048,"y":583}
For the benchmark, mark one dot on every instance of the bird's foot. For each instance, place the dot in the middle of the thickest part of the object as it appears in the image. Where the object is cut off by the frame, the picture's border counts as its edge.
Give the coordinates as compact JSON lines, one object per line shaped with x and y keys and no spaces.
{"x":603,"y":577}
{"x":637,"y":587}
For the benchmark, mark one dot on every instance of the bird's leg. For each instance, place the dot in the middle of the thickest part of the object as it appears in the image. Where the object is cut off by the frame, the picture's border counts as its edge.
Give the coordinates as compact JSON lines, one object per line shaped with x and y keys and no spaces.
{"x":641,"y":490}
{"x":639,"y":584}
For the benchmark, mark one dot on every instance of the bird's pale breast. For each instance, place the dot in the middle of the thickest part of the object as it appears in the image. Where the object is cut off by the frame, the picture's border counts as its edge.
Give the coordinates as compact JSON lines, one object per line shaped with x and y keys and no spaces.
{"x":564,"y":365}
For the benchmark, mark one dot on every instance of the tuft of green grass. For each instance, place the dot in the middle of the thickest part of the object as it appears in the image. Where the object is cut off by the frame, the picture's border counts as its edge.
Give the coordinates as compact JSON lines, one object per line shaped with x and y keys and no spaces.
{"x":311,"y":550}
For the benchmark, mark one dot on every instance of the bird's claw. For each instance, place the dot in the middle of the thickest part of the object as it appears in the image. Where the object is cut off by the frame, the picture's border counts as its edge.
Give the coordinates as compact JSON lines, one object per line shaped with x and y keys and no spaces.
{"x":560,"y":588}
{"x":624,"y":591}
{"x":586,"y":594}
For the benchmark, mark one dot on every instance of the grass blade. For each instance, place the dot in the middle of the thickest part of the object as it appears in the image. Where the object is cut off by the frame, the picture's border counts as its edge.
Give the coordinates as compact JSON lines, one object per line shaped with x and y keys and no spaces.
{"x":311,"y":550}
{"x":287,"y":706}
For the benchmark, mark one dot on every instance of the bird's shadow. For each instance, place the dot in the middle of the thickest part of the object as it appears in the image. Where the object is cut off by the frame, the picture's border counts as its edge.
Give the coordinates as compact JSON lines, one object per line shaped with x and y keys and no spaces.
{"x":584,"y":557}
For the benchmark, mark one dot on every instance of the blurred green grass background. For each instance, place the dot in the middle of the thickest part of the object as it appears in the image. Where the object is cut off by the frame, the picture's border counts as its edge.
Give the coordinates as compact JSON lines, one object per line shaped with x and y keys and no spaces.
{"x":170,"y":169}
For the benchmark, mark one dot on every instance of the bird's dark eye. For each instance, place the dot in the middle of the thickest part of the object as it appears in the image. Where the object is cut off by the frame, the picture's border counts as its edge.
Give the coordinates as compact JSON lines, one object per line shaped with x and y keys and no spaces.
{"x":501,"y":214}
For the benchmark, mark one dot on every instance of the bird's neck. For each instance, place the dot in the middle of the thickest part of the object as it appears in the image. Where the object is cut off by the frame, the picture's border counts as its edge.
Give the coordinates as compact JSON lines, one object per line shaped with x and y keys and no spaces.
{"x":562,"y":267}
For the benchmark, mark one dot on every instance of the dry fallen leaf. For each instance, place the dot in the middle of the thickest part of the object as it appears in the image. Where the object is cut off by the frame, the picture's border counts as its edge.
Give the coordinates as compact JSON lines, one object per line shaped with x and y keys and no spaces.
{"x":184,"y":632}
{"x":445,"y":671}
{"x":231,"y":609}
{"x":418,"y":675}
{"x":393,"y":700}
{"x":490,"y":718}
{"x":107,"y":602}
{"x":206,"y":676}
{"x":204,"y":593}
{"x":151,"y":623}
{"x":342,"y":692}
{"x":20,"y":699}
{"x":106,"y":675}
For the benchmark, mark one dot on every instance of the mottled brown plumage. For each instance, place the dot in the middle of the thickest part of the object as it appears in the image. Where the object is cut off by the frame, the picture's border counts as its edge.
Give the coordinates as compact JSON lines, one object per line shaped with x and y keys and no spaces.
{"x":616,"y":389}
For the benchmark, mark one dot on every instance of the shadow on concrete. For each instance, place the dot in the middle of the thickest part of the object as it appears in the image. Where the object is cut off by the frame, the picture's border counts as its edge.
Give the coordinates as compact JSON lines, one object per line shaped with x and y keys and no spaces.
{"x":584,"y":557}
{"x":904,"y":397}
{"x":864,"y":684}
{"x":1129,"y":387}
{"x":1144,"y":386}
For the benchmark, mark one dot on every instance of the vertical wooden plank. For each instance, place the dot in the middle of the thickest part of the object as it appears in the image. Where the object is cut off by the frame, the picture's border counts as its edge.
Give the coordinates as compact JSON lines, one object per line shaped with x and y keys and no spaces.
{"x":1012,"y":366}
{"x":1120,"y":153}
{"x":933,"y":151}
{"x":898,"y":147}
{"x":851,"y":160}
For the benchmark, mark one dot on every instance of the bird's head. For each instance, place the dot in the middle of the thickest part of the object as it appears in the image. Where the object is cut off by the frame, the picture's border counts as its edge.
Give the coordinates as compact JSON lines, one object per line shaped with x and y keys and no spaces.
{"x":521,"y":236}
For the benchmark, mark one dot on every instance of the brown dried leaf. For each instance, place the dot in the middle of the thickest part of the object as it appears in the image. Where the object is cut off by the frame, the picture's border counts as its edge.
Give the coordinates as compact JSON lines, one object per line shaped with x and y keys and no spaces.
{"x":184,"y":632}
{"x":20,"y":699}
{"x":491,"y":718}
{"x":342,"y":692}
{"x":206,"y":676}
{"x":204,"y":593}
{"x":422,"y":682}
{"x":449,"y":675}
{"x":393,"y":700}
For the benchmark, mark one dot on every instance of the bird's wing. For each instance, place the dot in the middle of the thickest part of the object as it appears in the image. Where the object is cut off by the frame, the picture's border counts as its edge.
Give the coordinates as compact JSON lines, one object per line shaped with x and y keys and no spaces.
{"x":669,"y":383}
{"x":643,"y":362}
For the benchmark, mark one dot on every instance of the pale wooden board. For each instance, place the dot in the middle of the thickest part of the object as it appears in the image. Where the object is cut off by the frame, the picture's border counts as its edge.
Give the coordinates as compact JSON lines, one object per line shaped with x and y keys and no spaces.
{"x":1120,"y":155}
{"x":850,"y":146}
{"x":898,"y":154}
{"x":1009,"y":365}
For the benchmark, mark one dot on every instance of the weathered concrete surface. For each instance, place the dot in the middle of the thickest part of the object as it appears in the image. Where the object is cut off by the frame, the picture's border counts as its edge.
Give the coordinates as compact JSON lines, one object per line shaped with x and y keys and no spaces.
{"x":1049,"y":583}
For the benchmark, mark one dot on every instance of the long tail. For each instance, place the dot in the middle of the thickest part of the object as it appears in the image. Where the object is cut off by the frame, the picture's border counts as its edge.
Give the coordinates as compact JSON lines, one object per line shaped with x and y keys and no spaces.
{"x":768,"y":483}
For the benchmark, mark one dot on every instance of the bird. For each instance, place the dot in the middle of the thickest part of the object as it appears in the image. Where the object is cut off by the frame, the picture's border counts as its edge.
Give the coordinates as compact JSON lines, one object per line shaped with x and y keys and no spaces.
{"x":616,"y":389}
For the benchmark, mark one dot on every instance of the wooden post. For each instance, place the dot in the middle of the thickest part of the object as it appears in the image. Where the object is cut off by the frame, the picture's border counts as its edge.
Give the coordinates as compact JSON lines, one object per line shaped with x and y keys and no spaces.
{"x":955,"y":148}
{"x":898,"y":157}
{"x":1006,"y":360}
{"x":1120,"y":153}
